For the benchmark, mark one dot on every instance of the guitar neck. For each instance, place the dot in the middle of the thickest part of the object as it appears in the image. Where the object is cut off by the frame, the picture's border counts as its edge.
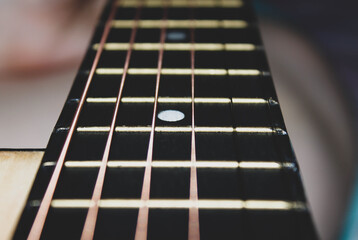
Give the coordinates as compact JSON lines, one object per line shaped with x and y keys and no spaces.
{"x":172,"y":130}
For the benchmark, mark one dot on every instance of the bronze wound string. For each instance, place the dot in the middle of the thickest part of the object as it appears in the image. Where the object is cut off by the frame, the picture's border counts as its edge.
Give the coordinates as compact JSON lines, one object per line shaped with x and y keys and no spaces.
{"x":193,"y":228}
{"x":38,"y":224}
{"x":142,"y":221}
{"x":91,"y":219}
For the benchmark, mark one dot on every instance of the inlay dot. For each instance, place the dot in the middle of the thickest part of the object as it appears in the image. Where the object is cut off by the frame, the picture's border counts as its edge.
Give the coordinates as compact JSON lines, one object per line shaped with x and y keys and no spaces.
{"x":176,"y":36}
{"x":171,"y":115}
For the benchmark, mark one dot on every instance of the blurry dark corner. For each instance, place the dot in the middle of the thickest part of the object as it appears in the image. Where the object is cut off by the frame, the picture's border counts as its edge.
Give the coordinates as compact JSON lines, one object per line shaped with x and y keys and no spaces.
{"x":313,"y":55}
{"x":41,"y":47}
{"x":40,"y":38}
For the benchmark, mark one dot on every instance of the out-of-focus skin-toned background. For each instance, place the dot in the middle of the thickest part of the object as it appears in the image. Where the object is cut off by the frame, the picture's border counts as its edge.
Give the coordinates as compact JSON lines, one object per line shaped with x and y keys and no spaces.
{"x":311,"y":47}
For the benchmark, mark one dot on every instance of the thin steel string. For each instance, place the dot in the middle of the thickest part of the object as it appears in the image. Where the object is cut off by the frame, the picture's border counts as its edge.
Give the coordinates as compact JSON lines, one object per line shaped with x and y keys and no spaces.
{"x":142,"y":222}
{"x":39,"y":222}
{"x":193,"y":228}
{"x":91,"y":219}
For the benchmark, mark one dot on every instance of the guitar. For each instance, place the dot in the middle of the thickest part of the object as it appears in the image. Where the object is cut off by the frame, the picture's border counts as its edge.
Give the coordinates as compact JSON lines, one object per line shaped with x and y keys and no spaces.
{"x":172,"y":130}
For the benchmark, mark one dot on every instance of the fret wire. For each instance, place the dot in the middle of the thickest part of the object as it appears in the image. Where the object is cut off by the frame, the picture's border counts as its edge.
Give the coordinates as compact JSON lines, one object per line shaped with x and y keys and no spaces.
{"x":231,"y":24}
{"x":143,"y":213}
{"x":183,"y":4}
{"x":180,"y":46}
{"x":180,"y":100}
{"x":207,"y":204}
{"x":193,"y":223}
{"x":258,"y":130}
{"x":41,"y":215}
{"x":87,"y":130}
{"x":249,"y":100}
{"x":190,"y":3}
{"x":180,"y":71}
{"x":178,"y":164}
{"x":91,"y":219}
{"x":243,"y":72}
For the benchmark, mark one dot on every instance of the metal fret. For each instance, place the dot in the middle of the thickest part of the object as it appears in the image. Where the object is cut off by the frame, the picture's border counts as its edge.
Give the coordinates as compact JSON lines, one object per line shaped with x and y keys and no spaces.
{"x":258,"y":130}
{"x":181,"y":3}
{"x":212,"y":204}
{"x":237,"y":179}
{"x":179,"y":71}
{"x":185,"y":24}
{"x":178,"y":164}
{"x":180,"y":46}
{"x":181,"y":100}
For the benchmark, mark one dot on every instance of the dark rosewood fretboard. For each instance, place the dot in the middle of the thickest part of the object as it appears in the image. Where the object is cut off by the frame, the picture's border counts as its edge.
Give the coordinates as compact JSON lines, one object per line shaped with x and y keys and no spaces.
{"x":172,"y":130}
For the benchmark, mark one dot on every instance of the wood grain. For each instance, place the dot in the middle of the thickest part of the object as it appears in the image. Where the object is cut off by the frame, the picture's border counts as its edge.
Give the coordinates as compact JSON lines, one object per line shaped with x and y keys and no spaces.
{"x":17,"y":173}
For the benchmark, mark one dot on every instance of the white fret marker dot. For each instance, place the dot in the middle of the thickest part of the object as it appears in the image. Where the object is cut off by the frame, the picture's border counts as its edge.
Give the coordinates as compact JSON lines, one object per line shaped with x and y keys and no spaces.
{"x":171,"y":115}
{"x":176,"y":36}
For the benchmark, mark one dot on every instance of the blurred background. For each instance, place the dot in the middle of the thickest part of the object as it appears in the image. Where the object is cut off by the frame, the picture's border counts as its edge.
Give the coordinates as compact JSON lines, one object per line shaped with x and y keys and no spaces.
{"x":312,"y":50}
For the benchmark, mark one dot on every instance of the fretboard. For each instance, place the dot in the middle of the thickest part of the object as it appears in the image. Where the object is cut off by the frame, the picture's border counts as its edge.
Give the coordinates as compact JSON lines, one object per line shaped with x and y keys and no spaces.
{"x":172,"y":130}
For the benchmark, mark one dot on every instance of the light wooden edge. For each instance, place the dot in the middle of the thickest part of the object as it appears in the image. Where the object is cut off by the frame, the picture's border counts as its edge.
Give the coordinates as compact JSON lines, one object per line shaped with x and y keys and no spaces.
{"x":17,"y":174}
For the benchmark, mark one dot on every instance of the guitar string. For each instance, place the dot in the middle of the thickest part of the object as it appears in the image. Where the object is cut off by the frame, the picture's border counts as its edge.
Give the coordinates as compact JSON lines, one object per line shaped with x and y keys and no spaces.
{"x":143,"y":214}
{"x":194,"y":227}
{"x":193,"y":187}
{"x":91,"y":219}
{"x":39,"y":221}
